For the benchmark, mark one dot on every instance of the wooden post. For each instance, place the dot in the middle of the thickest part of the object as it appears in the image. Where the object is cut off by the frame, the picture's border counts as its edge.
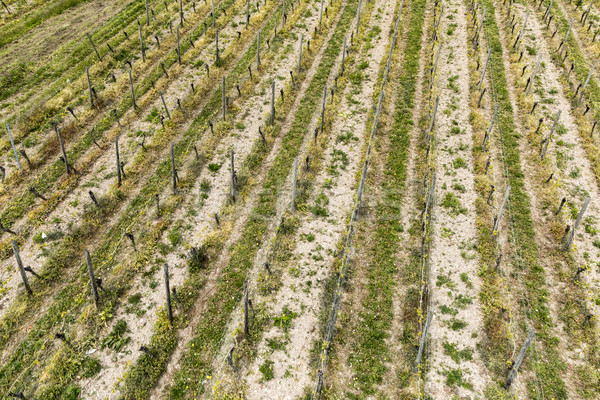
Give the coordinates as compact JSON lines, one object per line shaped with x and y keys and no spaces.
{"x":548,"y":10}
{"x":217,"y":60}
{"x":294,"y":182}
{"x":423,"y":340}
{"x":487,"y":60}
{"x":585,"y":15}
{"x":232,"y":176}
{"x":576,"y":225}
{"x":435,"y":107}
{"x":247,"y":14}
{"x":173,"y":169}
{"x":513,"y":372}
{"x":563,"y":44}
{"x":300,"y":52}
{"x":132,"y":92}
{"x":434,"y":68}
{"x":321,"y":16}
{"x":357,"y":16}
{"x":499,"y":216}
{"x":179,"y":49}
{"x":20,"y":264}
{"x":258,"y":50}
{"x":246,"y":319}
{"x":587,"y":80}
{"x":550,"y":135}
{"x":142,"y":43}
{"x":12,"y":143}
{"x":88,"y":260}
{"x":147,"y":15}
{"x":168,"y":292}
{"x":532,"y":77}
{"x":181,"y":12}
{"x":118,"y":161}
{"x":93,"y":197}
{"x":64,"y":152}
{"x":87,"y":73}
{"x":343,"y":56}
{"x":224,"y":99}
{"x":476,"y":37}
{"x":213,"y":12}
{"x":272,"y":118}
{"x":493,"y":120}
{"x":165,"y":105}
{"x":94,"y":46}
{"x":518,"y":42}
{"x":283,"y":16}
{"x":323,"y":107}
{"x":560,"y":207}
{"x":6,"y":7}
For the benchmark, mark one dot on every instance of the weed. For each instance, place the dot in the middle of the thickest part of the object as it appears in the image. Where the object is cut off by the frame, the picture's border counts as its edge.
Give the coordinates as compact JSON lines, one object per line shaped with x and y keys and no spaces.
{"x":575,"y":172}
{"x":345,"y":137}
{"x":309,"y":237}
{"x":448,"y":310}
{"x":462,"y":301}
{"x":451,"y":28}
{"x":444,"y":280}
{"x":447,"y":232}
{"x":277,"y":343}
{"x":452,"y":202}
{"x":266,"y":369}
{"x":459,"y":187}
{"x":319,"y":207}
{"x":197,"y":259}
{"x":452,"y":83}
{"x":339,"y":159}
{"x":117,"y":338}
{"x":455,"y":130}
{"x":459,"y":163}
{"x":214,"y":168}
{"x":455,"y":377}
{"x":590,"y":225}
{"x":457,"y":324}
{"x":451,"y":349}
{"x":174,"y":236}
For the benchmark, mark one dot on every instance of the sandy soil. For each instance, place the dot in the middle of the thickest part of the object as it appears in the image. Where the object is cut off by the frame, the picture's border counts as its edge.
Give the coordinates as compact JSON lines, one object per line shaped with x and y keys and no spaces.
{"x":453,"y":252}
{"x":302,"y":289}
{"x":203,"y":224}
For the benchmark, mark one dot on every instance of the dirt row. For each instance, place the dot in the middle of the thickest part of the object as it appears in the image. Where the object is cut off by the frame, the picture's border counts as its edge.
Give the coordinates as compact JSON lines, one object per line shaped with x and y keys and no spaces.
{"x":456,"y":365}
{"x":200,"y":226}
{"x":314,"y":243}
